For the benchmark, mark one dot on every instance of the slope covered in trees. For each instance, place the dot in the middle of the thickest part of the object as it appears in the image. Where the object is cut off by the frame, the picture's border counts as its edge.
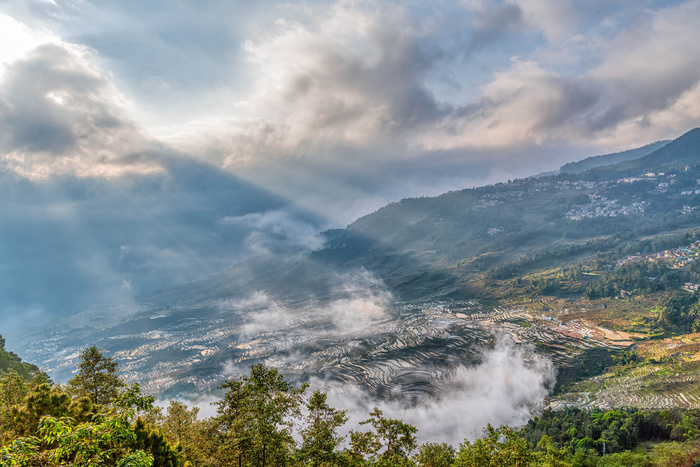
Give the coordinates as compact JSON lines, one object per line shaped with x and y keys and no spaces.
{"x":442,"y":245}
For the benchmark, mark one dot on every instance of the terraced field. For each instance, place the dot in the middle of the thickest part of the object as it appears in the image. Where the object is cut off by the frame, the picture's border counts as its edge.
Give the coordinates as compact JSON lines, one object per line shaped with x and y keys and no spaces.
{"x":669,"y":376}
{"x":408,"y":351}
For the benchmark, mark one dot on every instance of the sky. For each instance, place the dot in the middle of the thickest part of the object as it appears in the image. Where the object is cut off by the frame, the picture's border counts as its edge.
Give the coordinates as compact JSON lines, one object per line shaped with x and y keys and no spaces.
{"x":341,"y":106}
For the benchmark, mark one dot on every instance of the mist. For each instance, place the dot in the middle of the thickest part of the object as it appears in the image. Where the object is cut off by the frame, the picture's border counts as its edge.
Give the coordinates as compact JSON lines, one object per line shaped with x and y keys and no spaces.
{"x":72,"y":243}
{"x":507,"y":388}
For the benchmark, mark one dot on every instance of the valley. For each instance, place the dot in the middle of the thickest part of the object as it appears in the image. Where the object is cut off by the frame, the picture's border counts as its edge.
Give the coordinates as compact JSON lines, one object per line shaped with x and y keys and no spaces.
{"x":408,"y":349}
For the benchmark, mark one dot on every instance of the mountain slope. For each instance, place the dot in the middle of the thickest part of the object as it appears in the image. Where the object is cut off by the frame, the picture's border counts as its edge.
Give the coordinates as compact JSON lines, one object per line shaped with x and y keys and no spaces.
{"x":610,"y":159}
{"x":675,"y":155}
{"x":9,"y":361}
{"x":430,"y":247}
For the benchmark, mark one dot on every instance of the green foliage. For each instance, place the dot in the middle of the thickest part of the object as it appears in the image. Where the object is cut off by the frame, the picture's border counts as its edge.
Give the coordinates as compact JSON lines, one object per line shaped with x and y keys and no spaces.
{"x":586,"y":436}
{"x":106,"y":440}
{"x":681,"y":312}
{"x":42,"y":425}
{"x":435,"y":455}
{"x":9,"y":361}
{"x":500,"y":446}
{"x":97,"y":377}
{"x":503,"y":446}
{"x":44,"y":400}
{"x":153,"y":442}
{"x":635,"y":277}
{"x":252,"y":426}
{"x":390,"y":442}
{"x":319,"y":436}
{"x":182,"y":428}
{"x":13,"y":389}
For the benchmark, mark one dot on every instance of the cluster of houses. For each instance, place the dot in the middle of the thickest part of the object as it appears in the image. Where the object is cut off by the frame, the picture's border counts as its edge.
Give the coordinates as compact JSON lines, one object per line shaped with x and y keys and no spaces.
{"x":675,"y":258}
{"x":600,"y":206}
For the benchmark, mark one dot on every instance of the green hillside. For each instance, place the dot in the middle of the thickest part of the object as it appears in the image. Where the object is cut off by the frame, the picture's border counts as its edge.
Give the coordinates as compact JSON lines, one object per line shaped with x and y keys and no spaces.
{"x":9,"y":361}
{"x":450,"y":244}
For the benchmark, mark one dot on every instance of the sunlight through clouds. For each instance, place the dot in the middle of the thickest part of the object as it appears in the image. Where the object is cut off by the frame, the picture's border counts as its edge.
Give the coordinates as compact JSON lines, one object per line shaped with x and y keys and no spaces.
{"x":17,"y":40}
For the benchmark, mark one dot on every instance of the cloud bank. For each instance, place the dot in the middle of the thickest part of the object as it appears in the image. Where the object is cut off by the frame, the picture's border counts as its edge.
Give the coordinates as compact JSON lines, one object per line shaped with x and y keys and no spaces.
{"x":372,"y":79}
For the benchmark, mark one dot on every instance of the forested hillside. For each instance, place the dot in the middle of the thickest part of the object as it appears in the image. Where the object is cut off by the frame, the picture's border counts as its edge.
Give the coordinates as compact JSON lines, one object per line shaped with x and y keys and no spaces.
{"x":446,"y":245}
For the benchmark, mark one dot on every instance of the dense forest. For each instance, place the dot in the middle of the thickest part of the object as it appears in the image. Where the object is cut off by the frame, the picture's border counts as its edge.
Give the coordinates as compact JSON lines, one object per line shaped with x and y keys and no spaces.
{"x":264,"y":420}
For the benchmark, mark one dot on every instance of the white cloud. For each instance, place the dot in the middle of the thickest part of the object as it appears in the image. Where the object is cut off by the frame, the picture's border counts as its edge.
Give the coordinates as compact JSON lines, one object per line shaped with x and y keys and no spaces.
{"x":277,"y":231}
{"x":358,"y":305}
{"x":60,"y":116}
{"x":651,"y":74}
{"x":556,"y":19}
{"x":507,"y":387}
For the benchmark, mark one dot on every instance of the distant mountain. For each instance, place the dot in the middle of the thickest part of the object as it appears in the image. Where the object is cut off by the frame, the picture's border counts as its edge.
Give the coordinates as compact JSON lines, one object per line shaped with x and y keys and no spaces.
{"x":609,"y":159}
{"x":676,"y":155}
{"x":685,"y":149}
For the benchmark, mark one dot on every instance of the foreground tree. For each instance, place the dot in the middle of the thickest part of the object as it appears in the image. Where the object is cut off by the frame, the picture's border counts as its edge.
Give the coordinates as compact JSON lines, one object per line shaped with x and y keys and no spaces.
{"x":186,"y":432}
{"x":503,"y":446}
{"x":253,"y":424}
{"x":108,"y":439}
{"x":320,"y":439}
{"x":435,"y":455}
{"x":390,"y":442}
{"x":44,"y":400}
{"x":97,"y":378}
{"x":500,"y":446}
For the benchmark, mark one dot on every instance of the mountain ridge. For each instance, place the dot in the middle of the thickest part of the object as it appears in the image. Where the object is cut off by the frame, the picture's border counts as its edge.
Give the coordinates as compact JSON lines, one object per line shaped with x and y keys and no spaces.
{"x":609,"y":159}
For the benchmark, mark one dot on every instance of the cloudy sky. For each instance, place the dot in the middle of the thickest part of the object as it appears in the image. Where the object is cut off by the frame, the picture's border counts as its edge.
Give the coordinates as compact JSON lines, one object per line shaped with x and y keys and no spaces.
{"x":342,"y":106}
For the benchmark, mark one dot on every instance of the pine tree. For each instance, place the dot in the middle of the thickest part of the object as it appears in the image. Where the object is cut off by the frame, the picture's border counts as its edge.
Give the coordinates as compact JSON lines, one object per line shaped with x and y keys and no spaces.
{"x":97,"y":377}
{"x":319,"y":437}
{"x":253,"y":426}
